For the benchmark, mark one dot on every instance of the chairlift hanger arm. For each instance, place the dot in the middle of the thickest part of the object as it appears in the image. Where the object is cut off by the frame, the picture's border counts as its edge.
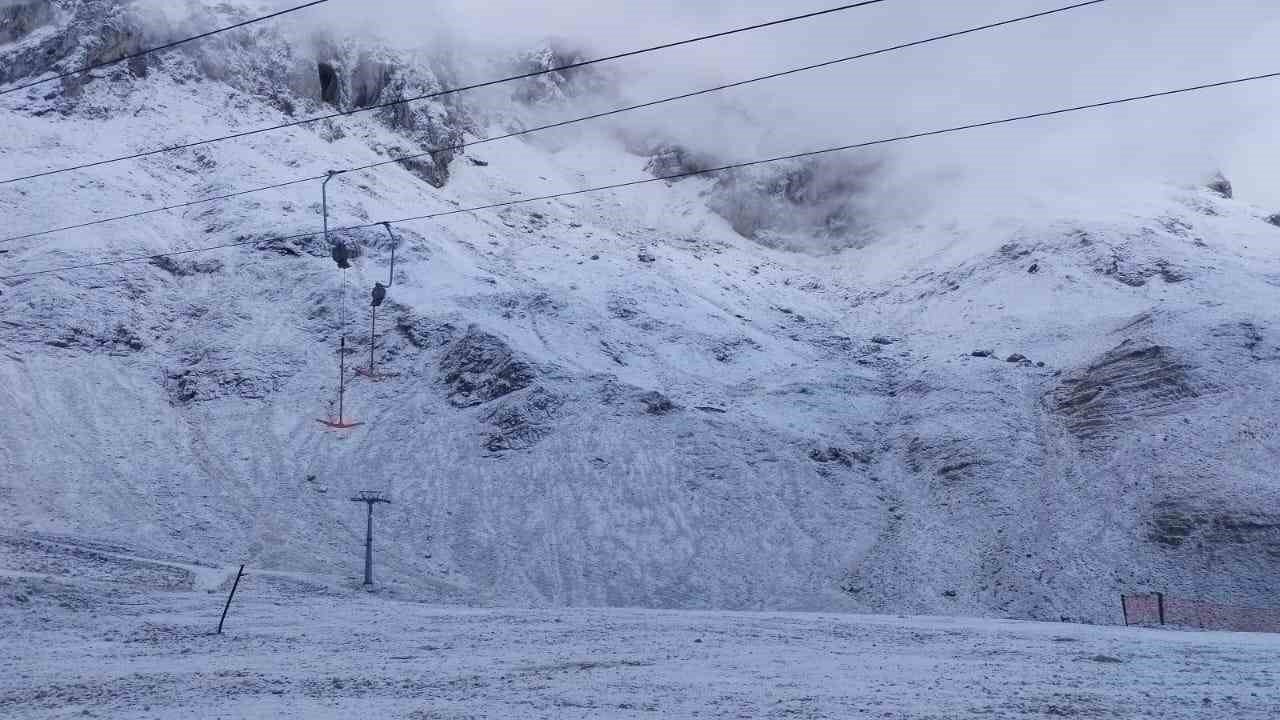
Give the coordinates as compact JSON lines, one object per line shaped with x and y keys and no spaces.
{"x":391,"y":274}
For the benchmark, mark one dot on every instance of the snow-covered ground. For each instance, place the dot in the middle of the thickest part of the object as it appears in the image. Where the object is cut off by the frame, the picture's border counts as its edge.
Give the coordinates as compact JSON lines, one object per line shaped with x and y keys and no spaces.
{"x":296,"y":647}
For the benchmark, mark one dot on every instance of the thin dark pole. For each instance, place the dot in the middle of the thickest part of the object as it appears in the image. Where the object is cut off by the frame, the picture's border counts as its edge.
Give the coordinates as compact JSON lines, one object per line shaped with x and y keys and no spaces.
{"x":342,"y":376}
{"x":1124,"y":608}
{"x":227,"y":607}
{"x":342,"y":348}
{"x":368,"y":548}
{"x":373,"y":329}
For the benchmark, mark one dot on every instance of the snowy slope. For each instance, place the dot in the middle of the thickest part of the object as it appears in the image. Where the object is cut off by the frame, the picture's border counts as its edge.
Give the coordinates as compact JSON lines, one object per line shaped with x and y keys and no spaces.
{"x":615,"y":398}
{"x":288,"y":651}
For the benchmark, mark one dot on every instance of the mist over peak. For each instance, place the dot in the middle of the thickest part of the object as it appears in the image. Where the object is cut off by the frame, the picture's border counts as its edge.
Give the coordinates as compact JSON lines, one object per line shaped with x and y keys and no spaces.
{"x":1095,"y":53}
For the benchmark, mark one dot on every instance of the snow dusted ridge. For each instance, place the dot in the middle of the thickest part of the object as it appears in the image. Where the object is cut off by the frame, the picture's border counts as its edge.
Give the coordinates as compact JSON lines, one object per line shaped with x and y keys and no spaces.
{"x":641,"y":398}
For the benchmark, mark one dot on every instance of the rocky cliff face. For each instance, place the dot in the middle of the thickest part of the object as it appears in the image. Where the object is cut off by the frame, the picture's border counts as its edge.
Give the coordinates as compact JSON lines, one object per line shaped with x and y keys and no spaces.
{"x":18,"y":20}
{"x":787,"y":205}
{"x":299,"y":75}
{"x":64,"y":34}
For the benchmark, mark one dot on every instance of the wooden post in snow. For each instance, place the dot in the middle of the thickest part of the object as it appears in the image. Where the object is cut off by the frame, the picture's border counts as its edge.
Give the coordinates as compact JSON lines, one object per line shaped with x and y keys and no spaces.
{"x":227,"y":607}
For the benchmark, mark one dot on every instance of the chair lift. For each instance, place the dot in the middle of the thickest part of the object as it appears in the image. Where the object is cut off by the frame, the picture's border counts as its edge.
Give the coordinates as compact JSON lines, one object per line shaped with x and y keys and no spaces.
{"x":338,"y":251}
{"x":379,"y":295}
{"x":342,"y":256}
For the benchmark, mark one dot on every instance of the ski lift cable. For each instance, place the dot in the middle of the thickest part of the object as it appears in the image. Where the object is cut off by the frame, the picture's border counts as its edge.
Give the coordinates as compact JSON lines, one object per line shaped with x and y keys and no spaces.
{"x":565,"y":123}
{"x":691,"y":173}
{"x":161,"y":48}
{"x":167,"y":208}
{"x":441,"y":93}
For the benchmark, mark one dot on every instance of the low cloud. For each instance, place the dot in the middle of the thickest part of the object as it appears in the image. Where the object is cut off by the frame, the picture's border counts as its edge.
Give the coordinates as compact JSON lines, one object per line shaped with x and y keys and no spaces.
{"x":1095,"y":53}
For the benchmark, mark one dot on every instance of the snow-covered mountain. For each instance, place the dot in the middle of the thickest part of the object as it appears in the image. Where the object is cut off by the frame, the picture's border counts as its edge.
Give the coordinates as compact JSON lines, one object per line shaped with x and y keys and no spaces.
{"x":645,"y":397}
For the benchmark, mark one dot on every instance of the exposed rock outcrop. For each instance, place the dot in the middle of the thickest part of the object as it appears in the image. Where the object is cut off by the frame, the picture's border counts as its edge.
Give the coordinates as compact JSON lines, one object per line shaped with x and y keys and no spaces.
{"x":521,"y":421}
{"x":1134,"y":379}
{"x":1221,"y":185}
{"x":669,"y":160}
{"x":20,"y":19}
{"x":559,"y":85}
{"x":479,"y":367}
{"x":89,"y":32}
{"x":1201,"y":526}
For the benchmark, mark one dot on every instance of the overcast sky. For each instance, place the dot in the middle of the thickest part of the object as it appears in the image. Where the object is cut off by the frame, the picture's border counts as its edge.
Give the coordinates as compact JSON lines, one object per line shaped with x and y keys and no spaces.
{"x":1118,"y":48}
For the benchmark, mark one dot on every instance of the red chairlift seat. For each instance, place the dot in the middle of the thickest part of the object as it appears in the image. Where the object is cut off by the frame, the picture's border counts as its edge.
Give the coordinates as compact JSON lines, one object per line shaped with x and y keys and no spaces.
{"x":339,"y":424}
{"x":376,"y":375}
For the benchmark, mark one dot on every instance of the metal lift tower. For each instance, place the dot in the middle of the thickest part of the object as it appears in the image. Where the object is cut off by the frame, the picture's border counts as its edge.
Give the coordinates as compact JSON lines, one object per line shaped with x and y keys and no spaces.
{"x":370,"y":498}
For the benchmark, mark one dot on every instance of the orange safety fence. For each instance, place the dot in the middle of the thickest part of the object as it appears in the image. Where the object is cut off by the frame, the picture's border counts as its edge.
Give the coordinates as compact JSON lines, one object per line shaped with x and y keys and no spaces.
{"x":1160,"y":609}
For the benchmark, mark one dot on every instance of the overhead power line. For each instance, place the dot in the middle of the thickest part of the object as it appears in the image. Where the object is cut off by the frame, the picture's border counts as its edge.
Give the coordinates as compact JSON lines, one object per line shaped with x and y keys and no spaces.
{"x":441,"y":93}
{"x":161,"y":48}
{"x":564,"y":123}
{"x":690,"y":173}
